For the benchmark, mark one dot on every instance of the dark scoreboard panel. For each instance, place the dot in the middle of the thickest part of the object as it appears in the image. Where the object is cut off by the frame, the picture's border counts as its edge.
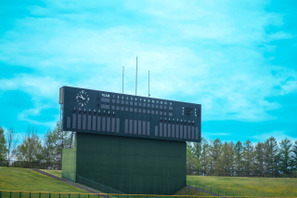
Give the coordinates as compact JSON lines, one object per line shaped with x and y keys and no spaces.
{"x":101,"y":112}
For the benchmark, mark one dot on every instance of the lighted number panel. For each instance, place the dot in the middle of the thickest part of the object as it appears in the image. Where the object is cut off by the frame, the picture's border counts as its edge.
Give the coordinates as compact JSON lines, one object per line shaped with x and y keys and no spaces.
{"x":102,"y":112}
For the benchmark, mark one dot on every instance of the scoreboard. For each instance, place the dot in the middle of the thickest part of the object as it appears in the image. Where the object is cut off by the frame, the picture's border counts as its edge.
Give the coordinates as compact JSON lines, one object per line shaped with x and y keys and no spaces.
{"x":102,"y":112}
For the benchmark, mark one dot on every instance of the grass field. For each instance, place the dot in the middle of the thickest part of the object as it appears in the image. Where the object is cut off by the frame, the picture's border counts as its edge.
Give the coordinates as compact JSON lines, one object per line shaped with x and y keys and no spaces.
{"x":188,"y":191}
{"x":21,"y":179}
{"x":57,"y":173}
{"x":246,"y":186}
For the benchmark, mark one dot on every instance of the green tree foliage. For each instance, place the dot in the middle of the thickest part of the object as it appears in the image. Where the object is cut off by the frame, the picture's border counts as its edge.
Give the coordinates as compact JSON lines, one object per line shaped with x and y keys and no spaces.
{"x":197,"y":149}
{"x":294,"y":158}
{"x":50,"y":147}
{"x":215,"y":154}
{"x":243,"y":159}
{"x":10,"y":142}
{"x":248,"y":157}
{"x":238,"y":162}
{"x":227,"y":158}
{"x":271,"y":156}
{"x":55,"y":141}
{"x":192,"y":160}
{"x":284,"y":156}
{"x":3,"y":149}
{"x":205,"y":157}
{"x":259,"y":159}
{"x":30,"y":150}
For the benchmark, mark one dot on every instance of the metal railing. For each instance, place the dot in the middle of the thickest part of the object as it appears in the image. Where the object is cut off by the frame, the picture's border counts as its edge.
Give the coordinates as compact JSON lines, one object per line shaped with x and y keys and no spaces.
{"x":28,"y":194}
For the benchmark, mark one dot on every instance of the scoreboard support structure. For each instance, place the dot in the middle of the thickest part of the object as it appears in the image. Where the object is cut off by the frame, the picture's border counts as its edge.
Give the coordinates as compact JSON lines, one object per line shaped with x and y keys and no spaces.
{"x":125,"y":143}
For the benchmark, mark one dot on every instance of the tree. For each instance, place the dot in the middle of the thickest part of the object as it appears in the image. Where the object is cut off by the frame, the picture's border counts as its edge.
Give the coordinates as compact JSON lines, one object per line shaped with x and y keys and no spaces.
{"x":259,"y":159}
{"x":285,"y":154}
{"x":238,"y":163}
{"x":50,"y":147}
{"x":294,"y":158}
{"x":3,"y":149}
{"x":10,"y":136}
{"x":248,"y":158}
{"x":196,"y":148}
{"x":271,"y":156}
{"x":205,"y":156}
{"x":192,"y":160}
{"x":30,"y":150}
{"x":227,"y":158}
{"x":215,"y":154}
{"x":55,"y":141}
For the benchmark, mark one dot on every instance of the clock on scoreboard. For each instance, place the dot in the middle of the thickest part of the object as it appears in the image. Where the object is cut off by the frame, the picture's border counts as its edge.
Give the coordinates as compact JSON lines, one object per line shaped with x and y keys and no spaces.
{"x":107,"y":113}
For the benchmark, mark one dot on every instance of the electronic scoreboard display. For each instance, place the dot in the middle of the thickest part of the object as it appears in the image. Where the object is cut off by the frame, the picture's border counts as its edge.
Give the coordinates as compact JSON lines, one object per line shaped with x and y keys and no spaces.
{"x":102,"y":112}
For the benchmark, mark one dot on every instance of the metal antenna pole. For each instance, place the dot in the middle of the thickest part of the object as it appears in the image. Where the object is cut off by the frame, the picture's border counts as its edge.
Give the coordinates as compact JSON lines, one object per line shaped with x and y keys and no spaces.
{"x":123,"y":79}
{"x":148,"y":84}
{"x":136,"y":76}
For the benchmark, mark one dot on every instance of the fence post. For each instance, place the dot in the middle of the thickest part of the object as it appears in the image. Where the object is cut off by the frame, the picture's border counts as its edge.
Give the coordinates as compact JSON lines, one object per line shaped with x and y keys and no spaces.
{"x":29,"y":194}
{"x":20,"y":194}
{"x":10,"y":194}
{"x":39,"y":195}
{"x":59,"y":195}
{"x":69,"y":195}
{"x":0,"y":194}
{"x":49,"y":195}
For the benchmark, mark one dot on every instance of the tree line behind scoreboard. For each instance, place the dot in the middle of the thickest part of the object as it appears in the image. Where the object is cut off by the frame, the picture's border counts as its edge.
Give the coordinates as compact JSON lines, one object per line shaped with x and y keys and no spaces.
{"x":269,"y":158}
{"x":264,"y":159}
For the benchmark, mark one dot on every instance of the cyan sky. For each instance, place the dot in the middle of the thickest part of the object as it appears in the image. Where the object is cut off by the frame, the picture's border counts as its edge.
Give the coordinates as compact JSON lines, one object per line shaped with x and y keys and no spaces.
{"x":236,"y":58}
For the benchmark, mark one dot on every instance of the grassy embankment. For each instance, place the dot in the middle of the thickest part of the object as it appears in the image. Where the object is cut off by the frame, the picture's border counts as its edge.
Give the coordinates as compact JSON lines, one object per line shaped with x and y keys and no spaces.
{"x":57,"y":173}
{"x":184,"y":191}
{"x":21,"y":179}
{"x":246,"y":186}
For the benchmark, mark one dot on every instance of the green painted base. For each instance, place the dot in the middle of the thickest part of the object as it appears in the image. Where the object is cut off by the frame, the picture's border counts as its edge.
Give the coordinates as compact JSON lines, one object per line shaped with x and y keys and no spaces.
{"x":129,"y":165}
{"x":69,"y":164}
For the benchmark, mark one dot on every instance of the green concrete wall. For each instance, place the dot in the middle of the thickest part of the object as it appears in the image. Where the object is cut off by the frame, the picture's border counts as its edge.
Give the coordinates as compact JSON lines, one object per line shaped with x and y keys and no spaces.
{"x":130,"y":165}
{"x":69,"y":164}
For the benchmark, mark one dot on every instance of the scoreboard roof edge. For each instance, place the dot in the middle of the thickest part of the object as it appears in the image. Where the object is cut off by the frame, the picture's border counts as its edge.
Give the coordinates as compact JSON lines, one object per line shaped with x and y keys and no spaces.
{"x":102,"y":112}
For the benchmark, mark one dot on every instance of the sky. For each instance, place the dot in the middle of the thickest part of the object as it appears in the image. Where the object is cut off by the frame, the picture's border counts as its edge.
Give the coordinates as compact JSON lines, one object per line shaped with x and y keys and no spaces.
{"x":235,"y":58}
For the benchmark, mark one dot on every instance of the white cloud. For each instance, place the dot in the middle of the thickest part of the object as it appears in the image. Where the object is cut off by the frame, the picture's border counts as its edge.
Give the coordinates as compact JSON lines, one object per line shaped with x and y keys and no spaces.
{"x":278,"y":135}
{"x":44,"y":87}
{"x":27,"y":115}
{"x":198,"y":52}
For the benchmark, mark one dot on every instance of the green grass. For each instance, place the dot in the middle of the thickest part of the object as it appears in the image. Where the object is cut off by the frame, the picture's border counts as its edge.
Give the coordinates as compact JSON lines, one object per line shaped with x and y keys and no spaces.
{"x":57,"y":173}
{"x":246,"y":186}
{"x":21,"y":179}
{"x":189,"y":191}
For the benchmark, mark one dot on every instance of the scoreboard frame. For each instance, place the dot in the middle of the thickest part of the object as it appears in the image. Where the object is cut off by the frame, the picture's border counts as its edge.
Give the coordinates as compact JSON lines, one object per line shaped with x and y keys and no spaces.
{"x":102,"y":112}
